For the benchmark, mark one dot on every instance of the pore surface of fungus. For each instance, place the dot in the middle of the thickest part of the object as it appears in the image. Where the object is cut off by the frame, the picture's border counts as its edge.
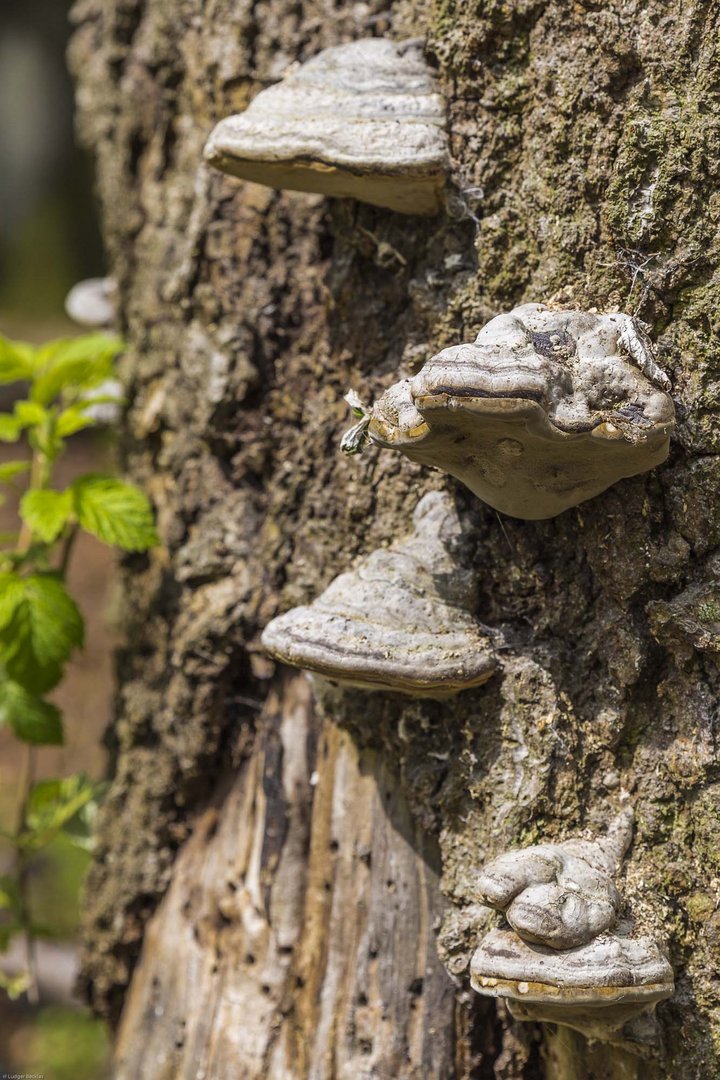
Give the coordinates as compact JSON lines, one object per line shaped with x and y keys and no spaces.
{"x":402,"y":620}
{"x":362,"y":120}
{"x":561,"y":895}
{"x":545,"y":410}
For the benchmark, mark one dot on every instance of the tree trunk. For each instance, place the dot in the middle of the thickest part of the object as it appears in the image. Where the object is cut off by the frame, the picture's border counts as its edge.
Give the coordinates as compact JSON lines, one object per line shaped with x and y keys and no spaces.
{"x":266,"y":897}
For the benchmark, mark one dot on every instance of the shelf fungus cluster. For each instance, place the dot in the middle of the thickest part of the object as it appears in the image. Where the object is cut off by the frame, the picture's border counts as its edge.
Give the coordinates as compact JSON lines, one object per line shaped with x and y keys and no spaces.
{"x":561,"y":960}
{"x":403,"y":620}
{"x":362,"y":120}
{"x":545,"y":410}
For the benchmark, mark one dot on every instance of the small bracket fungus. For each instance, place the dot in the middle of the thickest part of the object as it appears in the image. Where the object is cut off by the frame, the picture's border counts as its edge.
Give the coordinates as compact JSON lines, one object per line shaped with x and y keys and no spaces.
{"x":402,"y":620}
{"x":601,"y":989}
{"x":561,"y":895}
{"x":545,"y":410}
{"x":92,"y":302}
{"x":560,"y":963}
{"x":362,"y":120}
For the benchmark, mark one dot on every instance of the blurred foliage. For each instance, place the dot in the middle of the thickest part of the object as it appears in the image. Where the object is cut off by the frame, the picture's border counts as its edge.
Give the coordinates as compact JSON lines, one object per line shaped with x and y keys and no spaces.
{"x":63,"y":1044}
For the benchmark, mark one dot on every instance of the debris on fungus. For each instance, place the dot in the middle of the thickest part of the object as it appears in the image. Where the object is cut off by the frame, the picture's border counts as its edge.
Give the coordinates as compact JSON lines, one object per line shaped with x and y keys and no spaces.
{"x":362,"y":120}
{"x":545,"y":410}
{"x":402,"y":620}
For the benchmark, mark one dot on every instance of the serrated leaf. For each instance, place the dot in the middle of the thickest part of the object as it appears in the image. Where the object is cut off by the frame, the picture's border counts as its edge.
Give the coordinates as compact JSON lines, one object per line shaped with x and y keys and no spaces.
{"x":16,"y":360}
{"x":10,"y":427}
{"x":74,"y":364}
{"x":46,"y":512}
{"x":32,"y":719}
{"x":40,"y":626}
{"x":116,"y":512}
{"x":10,"y":469}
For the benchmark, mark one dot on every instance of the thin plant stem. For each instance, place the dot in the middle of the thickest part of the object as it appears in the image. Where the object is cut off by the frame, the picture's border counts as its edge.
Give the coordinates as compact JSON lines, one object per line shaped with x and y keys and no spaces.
{"x":22,"y":867}
{"x":38,"y":471}
{"x":68,"y":546}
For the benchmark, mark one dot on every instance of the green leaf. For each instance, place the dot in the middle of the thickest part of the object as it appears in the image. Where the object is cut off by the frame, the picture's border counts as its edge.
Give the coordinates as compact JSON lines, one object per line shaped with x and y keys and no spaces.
{"x":74,"y":364}
{"x":10,"y":427}
{"x":40,"y":626}
{"x":32,"y":719}
{"x":10,"y":469}
{"x":46,"y":512}
{"x":14,"y":985}
{"x":116,"y":512}
{"x":72,"y":420}
{"x":30,"y":414}
{"x":16,"y":360}
{"x":10,"y":899}
{"x":54,"y":804}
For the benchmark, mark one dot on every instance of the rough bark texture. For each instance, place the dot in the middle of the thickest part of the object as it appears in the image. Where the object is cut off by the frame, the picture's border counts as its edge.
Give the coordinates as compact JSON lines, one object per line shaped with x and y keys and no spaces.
{"x":297,"y":845}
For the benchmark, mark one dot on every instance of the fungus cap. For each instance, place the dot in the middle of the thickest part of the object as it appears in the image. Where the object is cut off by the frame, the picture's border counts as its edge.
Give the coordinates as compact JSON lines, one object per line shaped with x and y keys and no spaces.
{"x":561,"y":895}
{"x":402,"y":620}
{"x":608,"y":970}
{"x":362,"y":120}
{"x":545,"y":410}
{"x":92,"y":302}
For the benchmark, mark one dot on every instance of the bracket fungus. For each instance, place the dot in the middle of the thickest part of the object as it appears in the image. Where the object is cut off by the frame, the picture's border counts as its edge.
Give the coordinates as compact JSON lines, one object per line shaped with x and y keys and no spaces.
{"x":92,"y":302}
{"x":560,"y":962}
{"x":362,"y":120}
{"x":545,"y":410}
{"x":402,"y":620}
{"x":601,"y":989}
{"x":561,"y":895}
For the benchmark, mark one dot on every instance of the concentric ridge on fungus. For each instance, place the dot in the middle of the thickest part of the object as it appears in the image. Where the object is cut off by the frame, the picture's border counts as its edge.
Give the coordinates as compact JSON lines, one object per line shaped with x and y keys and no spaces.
{"x":560,"y":962}
{"x":608,"y":970}
{"x":362,"y":120}
{"x":545,"y":410}
{"x":402,"y":620}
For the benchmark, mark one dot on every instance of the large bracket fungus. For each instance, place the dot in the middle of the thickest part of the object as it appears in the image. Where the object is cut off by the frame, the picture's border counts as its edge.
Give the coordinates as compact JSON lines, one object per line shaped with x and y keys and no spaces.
{"x":561,"y":962}
{"x":545,"y":410}
{"x":362,"y":120}
{"x":402,"y":620}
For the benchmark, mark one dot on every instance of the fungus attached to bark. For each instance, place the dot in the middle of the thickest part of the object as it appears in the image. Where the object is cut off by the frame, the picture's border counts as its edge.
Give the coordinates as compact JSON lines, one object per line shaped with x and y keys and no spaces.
{"x":545,"y":410}
{"x":362,"y":120}
{"x":92,"y":302}
{"x":597,"y":988}
{"x":402,"y":620}
{"x":561,"y":895}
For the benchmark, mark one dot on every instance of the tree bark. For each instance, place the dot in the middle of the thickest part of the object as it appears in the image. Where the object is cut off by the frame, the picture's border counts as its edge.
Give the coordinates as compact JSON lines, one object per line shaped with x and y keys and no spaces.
{"x":265,"y":899}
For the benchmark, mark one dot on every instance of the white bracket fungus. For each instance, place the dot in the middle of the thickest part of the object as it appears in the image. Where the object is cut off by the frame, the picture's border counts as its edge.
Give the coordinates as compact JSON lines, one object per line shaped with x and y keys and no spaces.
{"x":92,"y":302}
{"x":561,"y":895}
{"x":362,"y":120}
{"x":545,"y":410}
{"x":560,"y":962}
{"x":402,"y":620}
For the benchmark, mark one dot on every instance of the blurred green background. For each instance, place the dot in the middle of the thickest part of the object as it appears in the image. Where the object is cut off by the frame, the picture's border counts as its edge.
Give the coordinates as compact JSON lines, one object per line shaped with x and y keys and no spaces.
{"x":48,"y":224}
{"x":49,"y":239}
